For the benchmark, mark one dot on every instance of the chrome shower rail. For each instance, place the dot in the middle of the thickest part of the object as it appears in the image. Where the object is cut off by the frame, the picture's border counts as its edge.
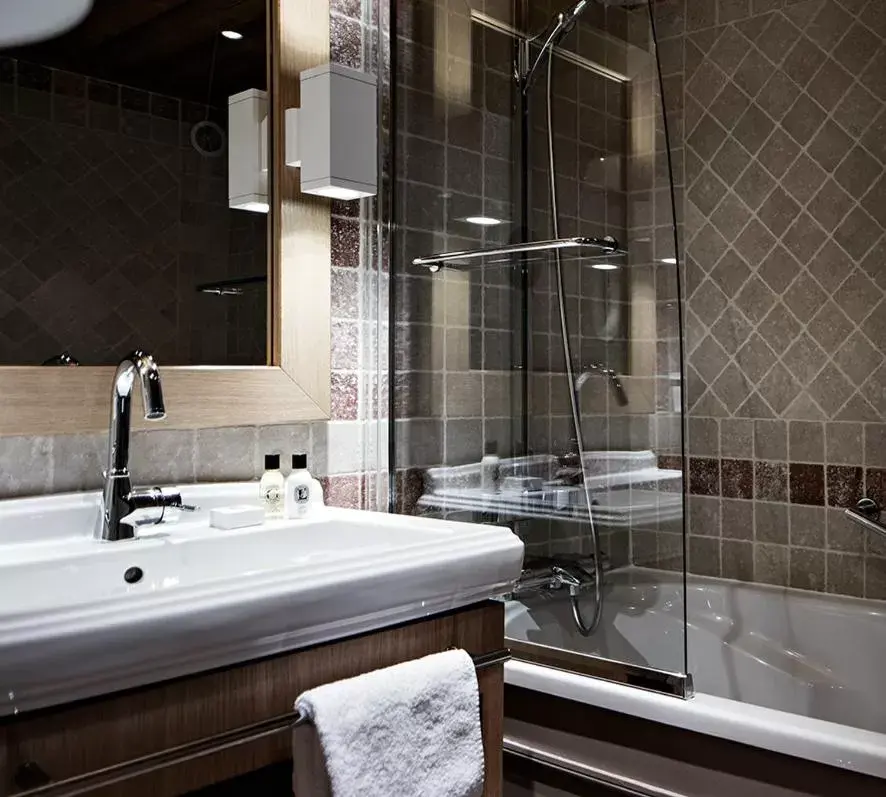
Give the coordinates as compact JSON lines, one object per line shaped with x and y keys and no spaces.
{"x":582,"y":247}
{"x":180,"y":754}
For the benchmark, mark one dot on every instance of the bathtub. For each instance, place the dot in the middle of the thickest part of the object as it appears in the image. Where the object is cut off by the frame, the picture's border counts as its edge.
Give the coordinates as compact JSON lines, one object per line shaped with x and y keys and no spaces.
{"x":791,"y":671}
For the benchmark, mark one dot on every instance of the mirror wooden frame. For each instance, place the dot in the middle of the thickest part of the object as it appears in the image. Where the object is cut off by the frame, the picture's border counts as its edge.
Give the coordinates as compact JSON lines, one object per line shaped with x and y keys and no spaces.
{"x":295,"y":386}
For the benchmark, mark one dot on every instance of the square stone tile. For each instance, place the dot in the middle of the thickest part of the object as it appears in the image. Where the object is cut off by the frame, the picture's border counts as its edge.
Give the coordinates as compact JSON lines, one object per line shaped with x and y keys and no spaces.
{"x":779,"y":388}
{"x":779,"y":329}
{"x":830,"y":85}
{"x":707,"y":191}
{"x":858,"y":172}
{"x":752,"y":130}
{"x":808,"y":526}
{"x":857,"y":48}
{"x":754,"y":243}
{"x":777,"y":39}
{"x":778,"y":95}
{"x":803,"y":61}
{"x":755,"y":358}
{"x":804,"y":297}
{"x":730,"y":104}
{"x":755,"y":299}
{"x":754,"y":185}
{"x":807,"y":569}
{"x":779,"y":269}
{"x":771,"y":522}
{"x":829,"y":146}
{"x":830,"y":205}
{"x":804,"y":359}
{"x":803,"y":179}
{"x":857,"y":233}
{"x":830,"y":389}
{"x":771,"y":564}
{"x":730,"y":217}
{"x":856,"y":109}
{"x":803,"y":119}
{"x":779,"y":153}
{"x":804,"y":238}
{"x":778,"y":211}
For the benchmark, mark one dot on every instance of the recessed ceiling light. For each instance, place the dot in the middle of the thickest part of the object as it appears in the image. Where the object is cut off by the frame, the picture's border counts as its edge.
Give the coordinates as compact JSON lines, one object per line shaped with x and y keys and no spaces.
{"x":671,"y":261}
{"x":483,"y":221}
{"x":604,"y":266}
{"x":232,"y":34}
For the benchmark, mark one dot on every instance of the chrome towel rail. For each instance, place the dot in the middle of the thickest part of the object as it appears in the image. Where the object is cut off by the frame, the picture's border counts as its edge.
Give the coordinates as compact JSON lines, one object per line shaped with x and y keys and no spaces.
{"x":180,"y":754}
{"x":867,"y":513}
{"x":584,"y":247}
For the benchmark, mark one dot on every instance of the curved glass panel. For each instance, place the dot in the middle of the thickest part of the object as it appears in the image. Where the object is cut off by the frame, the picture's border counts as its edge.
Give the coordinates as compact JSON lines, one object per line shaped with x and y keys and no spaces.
{"x":541,"y":386}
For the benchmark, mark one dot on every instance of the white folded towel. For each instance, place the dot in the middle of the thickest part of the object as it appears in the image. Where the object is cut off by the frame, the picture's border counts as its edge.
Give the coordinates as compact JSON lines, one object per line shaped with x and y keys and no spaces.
{"x":411,"y":730}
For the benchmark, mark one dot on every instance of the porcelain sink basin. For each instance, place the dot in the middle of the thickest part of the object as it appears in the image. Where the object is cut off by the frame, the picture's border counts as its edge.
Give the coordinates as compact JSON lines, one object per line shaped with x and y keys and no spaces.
{"x":72,"y":625}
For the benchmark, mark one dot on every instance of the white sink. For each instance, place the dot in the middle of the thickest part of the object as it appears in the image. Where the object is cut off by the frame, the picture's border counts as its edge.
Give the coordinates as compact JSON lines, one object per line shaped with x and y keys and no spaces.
{"x":72,"y":627}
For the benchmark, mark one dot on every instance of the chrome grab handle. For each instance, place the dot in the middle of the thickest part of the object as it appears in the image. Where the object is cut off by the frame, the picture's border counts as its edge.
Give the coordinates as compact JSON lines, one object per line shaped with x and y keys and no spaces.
{"x":867,"y":513}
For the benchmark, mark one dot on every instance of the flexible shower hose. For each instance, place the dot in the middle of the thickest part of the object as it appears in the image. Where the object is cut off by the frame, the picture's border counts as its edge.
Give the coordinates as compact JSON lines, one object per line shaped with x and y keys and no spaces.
{"x":585,"y":629}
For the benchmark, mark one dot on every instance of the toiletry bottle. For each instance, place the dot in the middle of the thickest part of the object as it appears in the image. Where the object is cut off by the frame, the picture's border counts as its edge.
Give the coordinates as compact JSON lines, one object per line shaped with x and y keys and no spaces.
{"x":270,"y":487}
{"x":298,"y":488}
{"x":490,"y":468}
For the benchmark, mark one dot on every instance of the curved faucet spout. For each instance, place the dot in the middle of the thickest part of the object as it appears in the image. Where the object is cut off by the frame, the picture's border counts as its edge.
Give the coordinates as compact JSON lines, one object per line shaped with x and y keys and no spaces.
{"x":117,"y":498}
{"x":599,"y":368}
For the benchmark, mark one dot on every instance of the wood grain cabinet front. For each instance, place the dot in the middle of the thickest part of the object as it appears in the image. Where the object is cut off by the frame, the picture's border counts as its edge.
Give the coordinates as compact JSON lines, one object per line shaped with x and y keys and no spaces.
{"x":67,"y":741}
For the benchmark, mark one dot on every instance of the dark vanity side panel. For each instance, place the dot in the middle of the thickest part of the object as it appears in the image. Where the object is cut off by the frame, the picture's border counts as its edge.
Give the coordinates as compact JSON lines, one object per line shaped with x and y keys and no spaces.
{"x":80,"y":738}
{"x":769,"y":769}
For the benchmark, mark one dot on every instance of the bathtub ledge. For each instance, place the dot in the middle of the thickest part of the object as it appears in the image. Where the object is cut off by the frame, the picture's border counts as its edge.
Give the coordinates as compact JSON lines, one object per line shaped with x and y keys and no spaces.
{"x":802,"y":737}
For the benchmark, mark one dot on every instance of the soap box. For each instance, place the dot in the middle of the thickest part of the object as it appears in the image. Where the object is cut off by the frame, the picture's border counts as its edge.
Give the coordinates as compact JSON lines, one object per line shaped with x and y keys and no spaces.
{"x":236,"y":517}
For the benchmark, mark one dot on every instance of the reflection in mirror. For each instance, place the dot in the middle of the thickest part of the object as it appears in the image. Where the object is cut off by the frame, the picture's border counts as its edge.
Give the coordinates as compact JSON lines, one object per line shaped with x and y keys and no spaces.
{"x":116,"y":229}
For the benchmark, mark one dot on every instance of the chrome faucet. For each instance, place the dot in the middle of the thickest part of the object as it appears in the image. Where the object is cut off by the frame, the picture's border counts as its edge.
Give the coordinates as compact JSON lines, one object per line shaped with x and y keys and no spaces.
{"x":599,"y":368}
{"x":119,"y":500}
{"x":571,"y":572}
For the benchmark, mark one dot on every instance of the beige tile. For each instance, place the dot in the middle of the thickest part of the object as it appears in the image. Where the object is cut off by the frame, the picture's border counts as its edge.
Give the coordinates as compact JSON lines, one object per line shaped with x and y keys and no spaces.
{"x":807,"y":570}
{"x":808,"y":526}
{"x":26,"y":466}
{"x":771,"y":522}
{"x":771,"y":564}
{"x":844,"y":443}
{"x":805,"y":441}
{"x":78,"y":462}
{"x":845,"y":574}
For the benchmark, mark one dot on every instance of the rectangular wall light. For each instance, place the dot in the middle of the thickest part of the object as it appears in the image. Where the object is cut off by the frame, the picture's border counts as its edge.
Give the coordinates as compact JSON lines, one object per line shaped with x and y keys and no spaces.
{"x":248,"y":151}
{"x":333,"y":136}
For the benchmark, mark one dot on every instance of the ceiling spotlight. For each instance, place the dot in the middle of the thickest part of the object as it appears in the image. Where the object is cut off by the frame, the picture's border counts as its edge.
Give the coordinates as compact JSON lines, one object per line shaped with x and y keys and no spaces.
{"x":604,"y":266}
{"x":671,"y":261}
{"x":232,"y":34}
{"x":483,"y":221}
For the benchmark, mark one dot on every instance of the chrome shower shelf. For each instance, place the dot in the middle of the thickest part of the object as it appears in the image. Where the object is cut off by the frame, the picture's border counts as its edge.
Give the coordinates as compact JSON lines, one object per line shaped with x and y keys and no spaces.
{"x":575,"y":248}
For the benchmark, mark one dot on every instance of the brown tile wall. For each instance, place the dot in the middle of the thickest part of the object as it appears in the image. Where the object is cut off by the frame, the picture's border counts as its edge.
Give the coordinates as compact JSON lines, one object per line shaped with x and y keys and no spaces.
{"x":784,"y":112}
{"x":109,"y":220}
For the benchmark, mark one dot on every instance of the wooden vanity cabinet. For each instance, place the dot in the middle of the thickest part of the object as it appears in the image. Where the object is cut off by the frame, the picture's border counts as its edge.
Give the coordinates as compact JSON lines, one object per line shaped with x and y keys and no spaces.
{"x":78,"y":738}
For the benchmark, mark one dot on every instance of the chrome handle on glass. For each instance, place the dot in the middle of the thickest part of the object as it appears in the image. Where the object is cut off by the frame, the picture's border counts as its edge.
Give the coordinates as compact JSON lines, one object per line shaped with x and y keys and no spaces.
{"x":867,"y":513}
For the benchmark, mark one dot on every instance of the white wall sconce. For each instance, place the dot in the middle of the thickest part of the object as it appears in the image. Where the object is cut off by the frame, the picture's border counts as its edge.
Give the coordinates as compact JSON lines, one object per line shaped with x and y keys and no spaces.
{"x":248,"y":151}
{"x":333,"y":136}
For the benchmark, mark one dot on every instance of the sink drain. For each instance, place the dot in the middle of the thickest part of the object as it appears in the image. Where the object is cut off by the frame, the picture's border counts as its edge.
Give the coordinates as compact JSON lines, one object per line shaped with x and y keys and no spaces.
{"x":133,"y":575}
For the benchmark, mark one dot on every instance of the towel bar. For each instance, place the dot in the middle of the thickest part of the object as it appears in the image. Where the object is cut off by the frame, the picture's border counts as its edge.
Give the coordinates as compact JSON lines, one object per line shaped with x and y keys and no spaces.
{"x":126,"y":770}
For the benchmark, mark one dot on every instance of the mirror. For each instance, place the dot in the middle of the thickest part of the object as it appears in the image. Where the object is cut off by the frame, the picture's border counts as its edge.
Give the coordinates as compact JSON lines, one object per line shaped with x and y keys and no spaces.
{"x":115,"y":226}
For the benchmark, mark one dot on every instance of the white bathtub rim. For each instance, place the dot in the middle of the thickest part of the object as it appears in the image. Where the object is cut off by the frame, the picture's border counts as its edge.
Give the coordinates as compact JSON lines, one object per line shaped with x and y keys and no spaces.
{"x":794,"y":735}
